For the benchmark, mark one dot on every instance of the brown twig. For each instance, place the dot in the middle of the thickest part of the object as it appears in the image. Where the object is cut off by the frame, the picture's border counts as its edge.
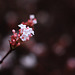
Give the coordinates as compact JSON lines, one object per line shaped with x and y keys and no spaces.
{"x":5,"y":56}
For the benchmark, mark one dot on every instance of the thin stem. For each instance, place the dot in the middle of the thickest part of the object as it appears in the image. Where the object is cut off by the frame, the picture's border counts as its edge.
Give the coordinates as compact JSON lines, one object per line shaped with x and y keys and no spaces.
{"x":5,"y":56}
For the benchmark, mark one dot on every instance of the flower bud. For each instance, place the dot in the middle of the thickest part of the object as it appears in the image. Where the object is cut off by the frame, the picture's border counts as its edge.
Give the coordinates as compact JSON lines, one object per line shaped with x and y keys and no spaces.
{"x":13,"y":31}
{"x":18,"y":44}
{"x":32,"y":16}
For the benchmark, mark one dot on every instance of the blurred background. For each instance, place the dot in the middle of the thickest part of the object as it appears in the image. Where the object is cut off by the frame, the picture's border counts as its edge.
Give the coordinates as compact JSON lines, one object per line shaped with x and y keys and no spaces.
{"x":52,"y":50}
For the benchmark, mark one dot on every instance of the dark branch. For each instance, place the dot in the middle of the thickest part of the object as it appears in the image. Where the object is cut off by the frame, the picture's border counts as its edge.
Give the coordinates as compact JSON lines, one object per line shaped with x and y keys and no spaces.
{"x":5,"y":56}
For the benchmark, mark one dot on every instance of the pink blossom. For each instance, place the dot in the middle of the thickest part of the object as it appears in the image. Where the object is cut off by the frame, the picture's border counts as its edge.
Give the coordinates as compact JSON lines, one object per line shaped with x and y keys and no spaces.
{"x":25,"y":32}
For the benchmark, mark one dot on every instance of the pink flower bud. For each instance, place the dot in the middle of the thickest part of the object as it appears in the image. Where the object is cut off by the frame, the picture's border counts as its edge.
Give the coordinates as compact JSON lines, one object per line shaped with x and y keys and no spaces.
{"x":27,"y":38}
{"x":19,"y":35}
{"x":22,"y":23}
{"x":15,"y":35}
{"x":19,"y":30}
{"x":12,"y":36}
{"x":30,"y":35}
{"x":13,"y":31}
{"x":32,"y":16}
{"x":13,"y":44}
{"x":18,"y":44}
{"x":13,"y":40}
{"x":27,"y":27}
{"x":29,"y":21}
{"x":10,"y":42}
{"x":34,"y":21}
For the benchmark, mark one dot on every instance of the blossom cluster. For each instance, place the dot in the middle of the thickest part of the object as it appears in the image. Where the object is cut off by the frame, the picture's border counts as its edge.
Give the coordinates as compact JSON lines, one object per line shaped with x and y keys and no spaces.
{"x":25,"y":32}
